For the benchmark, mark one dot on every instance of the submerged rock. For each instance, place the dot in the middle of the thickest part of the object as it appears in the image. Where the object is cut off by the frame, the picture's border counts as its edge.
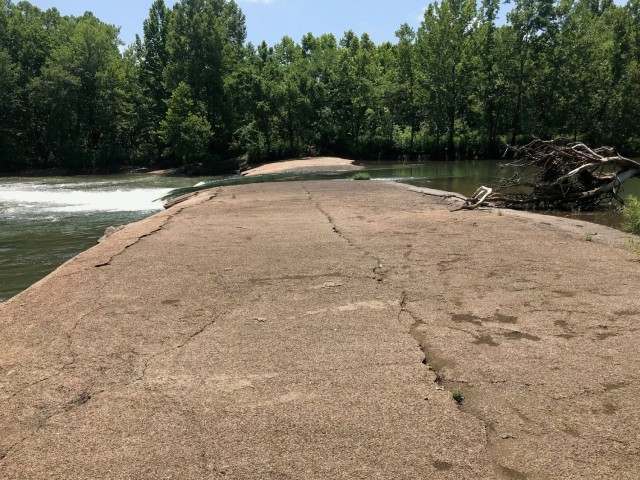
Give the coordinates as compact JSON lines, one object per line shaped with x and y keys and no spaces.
{"x":109,"y":232}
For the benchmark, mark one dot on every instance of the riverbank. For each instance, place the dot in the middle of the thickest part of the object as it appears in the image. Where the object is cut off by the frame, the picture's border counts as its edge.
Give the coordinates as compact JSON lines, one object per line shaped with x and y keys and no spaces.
{"x":319,"y":330}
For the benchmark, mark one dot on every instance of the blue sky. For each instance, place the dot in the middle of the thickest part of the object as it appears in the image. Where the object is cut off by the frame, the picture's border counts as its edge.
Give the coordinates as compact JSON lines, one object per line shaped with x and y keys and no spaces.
{"x":269,"y":19}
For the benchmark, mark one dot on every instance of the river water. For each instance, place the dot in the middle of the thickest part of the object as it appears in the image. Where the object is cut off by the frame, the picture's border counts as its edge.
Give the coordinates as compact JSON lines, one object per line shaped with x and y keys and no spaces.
{"x":47,"y":221}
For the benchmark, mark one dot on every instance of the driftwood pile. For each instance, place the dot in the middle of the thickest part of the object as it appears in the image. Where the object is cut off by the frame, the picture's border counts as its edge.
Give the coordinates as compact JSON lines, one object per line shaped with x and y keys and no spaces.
{"x":548,"y":175}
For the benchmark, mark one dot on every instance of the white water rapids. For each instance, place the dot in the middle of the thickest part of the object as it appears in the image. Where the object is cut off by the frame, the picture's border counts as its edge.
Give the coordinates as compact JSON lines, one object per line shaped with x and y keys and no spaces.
{"x":19,"y":199}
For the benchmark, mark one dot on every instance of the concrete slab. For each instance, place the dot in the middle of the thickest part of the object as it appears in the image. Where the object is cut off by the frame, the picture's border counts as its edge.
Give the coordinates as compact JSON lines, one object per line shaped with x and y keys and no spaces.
{"x":318,"y":330}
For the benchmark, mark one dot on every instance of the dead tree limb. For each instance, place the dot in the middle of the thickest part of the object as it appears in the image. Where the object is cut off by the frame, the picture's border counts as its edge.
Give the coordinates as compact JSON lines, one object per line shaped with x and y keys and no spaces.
{"x":551,"y":175}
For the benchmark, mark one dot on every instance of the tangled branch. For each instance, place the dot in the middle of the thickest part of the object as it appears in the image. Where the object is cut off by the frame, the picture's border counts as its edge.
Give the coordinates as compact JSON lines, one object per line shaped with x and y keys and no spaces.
{"x":550,"y":175}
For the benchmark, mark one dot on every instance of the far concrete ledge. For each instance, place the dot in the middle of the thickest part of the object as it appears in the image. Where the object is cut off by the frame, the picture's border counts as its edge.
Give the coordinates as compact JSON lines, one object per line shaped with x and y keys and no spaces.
{"x":310,"y":164}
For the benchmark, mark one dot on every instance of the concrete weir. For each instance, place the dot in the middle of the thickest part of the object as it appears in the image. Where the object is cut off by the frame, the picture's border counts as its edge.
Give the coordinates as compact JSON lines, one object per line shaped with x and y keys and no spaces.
{"x":318,"y":330}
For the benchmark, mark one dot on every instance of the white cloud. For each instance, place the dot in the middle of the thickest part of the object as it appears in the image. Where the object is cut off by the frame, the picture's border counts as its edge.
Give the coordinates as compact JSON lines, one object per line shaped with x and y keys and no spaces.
{"x":420,"y":16}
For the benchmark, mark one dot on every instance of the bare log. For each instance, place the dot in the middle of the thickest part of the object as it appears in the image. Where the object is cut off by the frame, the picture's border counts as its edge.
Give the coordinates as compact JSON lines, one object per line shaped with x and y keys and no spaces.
{"x":555,"y":176}
{"x":478,"y":198}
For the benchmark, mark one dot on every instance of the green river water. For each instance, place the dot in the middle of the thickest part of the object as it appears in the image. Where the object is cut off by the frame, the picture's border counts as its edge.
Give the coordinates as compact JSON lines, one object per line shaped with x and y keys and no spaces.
{"x":46,"y":221}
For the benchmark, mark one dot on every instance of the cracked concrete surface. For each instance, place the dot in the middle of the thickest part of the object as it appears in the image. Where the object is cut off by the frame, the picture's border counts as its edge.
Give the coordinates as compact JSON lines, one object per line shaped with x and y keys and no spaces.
{"x":317,"y":330}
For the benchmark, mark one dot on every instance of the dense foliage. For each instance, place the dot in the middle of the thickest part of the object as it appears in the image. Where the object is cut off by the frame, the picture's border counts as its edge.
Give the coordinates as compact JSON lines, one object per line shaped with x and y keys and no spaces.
{"x":192,"y":90}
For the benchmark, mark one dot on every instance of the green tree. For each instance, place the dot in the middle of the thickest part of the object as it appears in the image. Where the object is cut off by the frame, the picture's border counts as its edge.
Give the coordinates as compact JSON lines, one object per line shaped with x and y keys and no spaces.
{"x":351,"y":91}
{"x":79,"y":98}
{"x":401,"y":89}
{"x":195,"y":44}
{"x":205,"y":45}
{"x":489,"y":85}
{"x":186,"y":130}
{"x":444,"y":42}
{"x":532,"y":23}
{"x":155,"y":57}
{"x":9,"y":103}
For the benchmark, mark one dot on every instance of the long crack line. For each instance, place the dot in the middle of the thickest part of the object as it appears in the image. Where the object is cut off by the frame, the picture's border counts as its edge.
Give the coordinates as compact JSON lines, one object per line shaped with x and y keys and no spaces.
{"x":80,"y":400}
{"x":378,"y":270}
{"x":167,"y":219}
{"x":330,"y":219}
{"x":66,"y":365}
{"x":135,"y":242}
{"x":203,"y":328}
{"x":418,"y":336}
{"x":490,"y":430}
{"x":85,"y":397}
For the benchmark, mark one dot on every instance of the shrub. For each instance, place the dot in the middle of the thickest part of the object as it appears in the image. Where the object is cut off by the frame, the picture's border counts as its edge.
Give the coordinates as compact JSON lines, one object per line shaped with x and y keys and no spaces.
{"x":458,"y":396}
{"x":361,"y":176}
{"x":631,"y":216}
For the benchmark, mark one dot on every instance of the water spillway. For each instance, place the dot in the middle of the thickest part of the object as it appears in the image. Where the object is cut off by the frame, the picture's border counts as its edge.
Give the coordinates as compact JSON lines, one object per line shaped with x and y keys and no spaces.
{"x":47,"y":221}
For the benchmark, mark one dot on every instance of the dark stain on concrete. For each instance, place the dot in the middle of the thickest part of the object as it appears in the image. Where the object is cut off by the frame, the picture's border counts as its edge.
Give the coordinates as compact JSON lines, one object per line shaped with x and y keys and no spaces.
{"x":486,"y":340}
{"x":604,"y":336}
{"x":466,"y":318}
{"x":500,"y":318}
{"x":521,"y":336}
{"x":442,"y":466}
{"x":615,"y":386}
{"x":513,"y":474}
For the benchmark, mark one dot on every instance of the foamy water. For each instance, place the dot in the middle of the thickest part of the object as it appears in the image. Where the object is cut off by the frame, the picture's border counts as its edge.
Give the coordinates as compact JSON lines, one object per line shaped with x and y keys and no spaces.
{"x":33,"y":199}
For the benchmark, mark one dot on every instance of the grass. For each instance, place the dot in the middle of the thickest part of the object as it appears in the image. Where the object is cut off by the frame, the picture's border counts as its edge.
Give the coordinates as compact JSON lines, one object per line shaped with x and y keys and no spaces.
{"x":361,"y":176}
{"x":634,"y":245}
{"x":588,"y":238}
{"x":631,"y":216}
{"x":458,"y":396}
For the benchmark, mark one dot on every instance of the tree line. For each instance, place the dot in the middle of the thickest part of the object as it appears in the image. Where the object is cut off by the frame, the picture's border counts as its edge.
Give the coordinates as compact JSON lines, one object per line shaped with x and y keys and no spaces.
{"x":192,"y":90}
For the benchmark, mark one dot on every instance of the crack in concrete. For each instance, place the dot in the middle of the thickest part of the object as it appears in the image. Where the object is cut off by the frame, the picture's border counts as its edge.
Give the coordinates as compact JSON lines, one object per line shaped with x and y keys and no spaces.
{"x":8,"y":451}
{"x":490,"y":432}
{"x":80,"y":400}
{"x":414,"y":331}
{"x":378,"y":273}
{"x":75,"y":327}
{"x":33,"y":384}
{"x":203,"y":328}
{"x":135,"y":242}
{"x":331,"y":220}
{"x":167,"y":219}
{"x":65,"y":365}
{"x":442,"y":382}
{"x":297,"y":277}
{"x":86,"y":396}
{"x":190,"y":417}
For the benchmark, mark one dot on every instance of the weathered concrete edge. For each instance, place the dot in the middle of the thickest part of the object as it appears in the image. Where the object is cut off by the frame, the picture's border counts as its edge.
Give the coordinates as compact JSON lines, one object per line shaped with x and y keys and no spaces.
{"x":102,"y":254}
{"x":578,"y":229}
